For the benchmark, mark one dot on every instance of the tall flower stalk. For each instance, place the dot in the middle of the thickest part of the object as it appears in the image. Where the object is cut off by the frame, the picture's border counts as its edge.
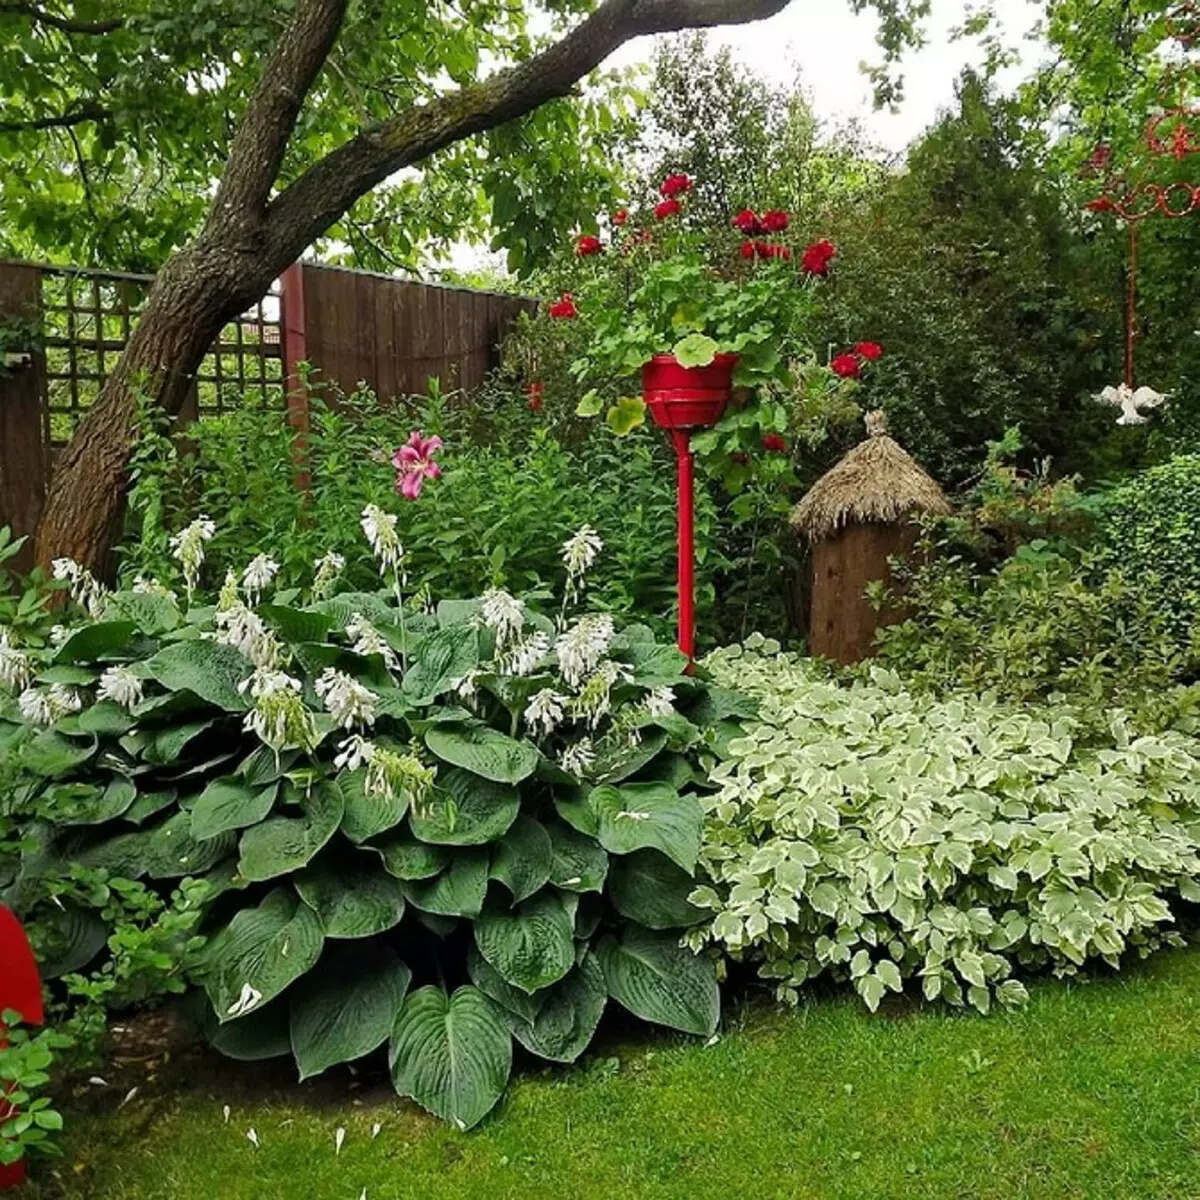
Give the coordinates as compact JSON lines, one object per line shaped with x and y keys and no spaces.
{"x":380,"y":530}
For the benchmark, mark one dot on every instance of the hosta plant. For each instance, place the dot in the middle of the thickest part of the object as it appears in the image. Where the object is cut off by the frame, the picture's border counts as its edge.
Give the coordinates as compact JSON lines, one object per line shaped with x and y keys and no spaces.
{"x":879,"y":835}
{"x":435,"y":828}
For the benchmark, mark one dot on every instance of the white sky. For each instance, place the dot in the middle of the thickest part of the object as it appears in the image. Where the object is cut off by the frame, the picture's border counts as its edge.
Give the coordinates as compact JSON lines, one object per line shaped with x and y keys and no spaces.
{"x":827,"y":42}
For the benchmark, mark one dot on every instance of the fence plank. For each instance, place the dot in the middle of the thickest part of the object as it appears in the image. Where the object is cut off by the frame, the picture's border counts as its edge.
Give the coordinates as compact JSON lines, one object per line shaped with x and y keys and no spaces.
{"x":24,"y":466}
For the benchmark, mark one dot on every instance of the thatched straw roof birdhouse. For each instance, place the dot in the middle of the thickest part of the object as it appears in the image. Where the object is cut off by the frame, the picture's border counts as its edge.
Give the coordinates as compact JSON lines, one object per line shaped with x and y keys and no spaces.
{"x":856,"y":517}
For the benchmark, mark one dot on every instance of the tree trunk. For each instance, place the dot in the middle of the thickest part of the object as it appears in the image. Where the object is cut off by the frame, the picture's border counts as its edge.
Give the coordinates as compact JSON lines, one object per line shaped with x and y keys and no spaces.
{"x":196,"y":293}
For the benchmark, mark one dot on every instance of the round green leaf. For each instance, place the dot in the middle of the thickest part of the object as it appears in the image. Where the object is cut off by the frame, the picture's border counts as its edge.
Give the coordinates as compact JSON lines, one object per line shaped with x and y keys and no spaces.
{"x":406,"y":858}
{"x":260,"y":1035}
{"x":210,"y":669}
{"x":638,"y":816}
{"x":521,"y":858}
{"x":442,"y":659}
{"x":483,"y":751}
{"x":105,"y":718}
{"x":650,"y":889}
{"x":71,"y":937}
{"x":533,"y":945}
{"x":458,"y":892}
{"x":80,"y":804}
{"x":365,"y":816}
{"x":172,"y":852}
{"x":660,"y":981}
{"x":466,"y":810}
{"x":50,"y":754}
{"x":451,"y":1054}
{"x":568,"y":1015}
{"x":281,"y":845}
{"x":260,"y":952}
{"x":353,"y":897}
{"x":101,"y":639}
{"x":230,"y":804}
{"x":579,"y":863}
{"x":491,"y":983}
{"x":347,"y":1007}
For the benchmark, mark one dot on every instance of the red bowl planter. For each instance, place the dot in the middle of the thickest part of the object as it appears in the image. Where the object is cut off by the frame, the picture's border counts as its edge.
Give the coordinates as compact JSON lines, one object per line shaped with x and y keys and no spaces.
{"x":12,"y":1175}
{"x":687,"y":397}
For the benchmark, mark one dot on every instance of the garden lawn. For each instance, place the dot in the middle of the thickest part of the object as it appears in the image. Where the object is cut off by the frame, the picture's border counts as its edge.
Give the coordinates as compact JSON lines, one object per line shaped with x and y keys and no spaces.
{"x":1092,"y":1091}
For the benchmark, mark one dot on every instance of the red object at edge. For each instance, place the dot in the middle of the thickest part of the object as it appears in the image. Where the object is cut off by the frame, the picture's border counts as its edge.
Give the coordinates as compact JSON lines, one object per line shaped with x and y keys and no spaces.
{"x":682,"y":399}
{"x":21,"y":991}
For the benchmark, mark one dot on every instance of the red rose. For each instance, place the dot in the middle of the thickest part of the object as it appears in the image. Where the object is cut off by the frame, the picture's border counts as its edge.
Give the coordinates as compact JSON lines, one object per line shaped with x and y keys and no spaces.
{"x":817,"y":257}
{"x":747,"y":222}
{"x":871,"y":351}
{"x":747,"y":250}
{"x":564,"y":309}
{"x":847,"y":366}
{"x":776,"y":221}
{"x":1101,"y":204}
{"x":762,"y":250}
{"x":588,"y":245}
{"x":775,"y":443}
{"x":668,"y":208}
{"x":676,"y":185}
{"x":620,"y":216}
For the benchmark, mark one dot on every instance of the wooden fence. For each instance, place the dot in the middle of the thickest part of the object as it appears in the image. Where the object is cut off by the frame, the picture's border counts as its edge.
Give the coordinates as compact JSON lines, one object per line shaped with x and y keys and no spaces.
{"x":62,"y":331}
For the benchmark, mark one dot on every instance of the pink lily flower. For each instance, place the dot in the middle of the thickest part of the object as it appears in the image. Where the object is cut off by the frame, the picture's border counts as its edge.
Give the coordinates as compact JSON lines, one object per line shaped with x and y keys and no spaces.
{"x":414,"y":464}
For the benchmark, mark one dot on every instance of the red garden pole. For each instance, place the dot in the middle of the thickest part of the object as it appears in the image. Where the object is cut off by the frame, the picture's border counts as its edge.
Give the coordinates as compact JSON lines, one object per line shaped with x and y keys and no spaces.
{"x":21,"y":991}
{"x":685,"y":463}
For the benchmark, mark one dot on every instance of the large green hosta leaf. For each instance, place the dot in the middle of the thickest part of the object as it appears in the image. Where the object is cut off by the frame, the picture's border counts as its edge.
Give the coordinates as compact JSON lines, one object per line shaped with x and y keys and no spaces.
{"x":354,"y":897}
{"x":210,"y":669}
{"x":50,"y":754}
{"x":466,"y":810}
{"x":660,"y":981}
{"x":281,"y":845}
{"x":71,"y":936}
{"x":261,"y":1035}
{"x":579,"y":863}
{"x":82,"y":804}
{"x":568,"y":1015}
{"x":96,"y":641}
{"x":533,"y":945}
{"x":230,"y":804}
{"x":649,"y":888}
{"x":347,"y":1006}
{"x":168,"y":744}
{"x":639,"y":816}
{"x":451,"y":1054}
{"x":521,"y":858}
{"x":443,"y":658}
{"x":152,"y":614}
{"x":172,"y":852}
{"x":406,"y":858}
{"x":458,"y":892}
{"x":483,"y":751}
{"x":365,"y":816}
{"x":259,"y":953}
{"x":296,"y":624}
{"x":491,"y":983}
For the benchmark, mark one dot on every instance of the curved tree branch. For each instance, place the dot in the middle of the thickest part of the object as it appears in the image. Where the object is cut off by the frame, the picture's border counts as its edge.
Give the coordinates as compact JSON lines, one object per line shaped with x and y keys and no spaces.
{"x":327,"y":189}
{"x":65,"y":24}
{"x":79,"y":116}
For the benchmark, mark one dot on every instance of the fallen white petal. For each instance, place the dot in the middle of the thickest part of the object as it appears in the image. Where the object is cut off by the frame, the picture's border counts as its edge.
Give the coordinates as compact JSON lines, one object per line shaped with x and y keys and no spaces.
{"x":226,"y":1110}
{"x":96,"y":1081}
{"x":375,"y":1130}
{"x":338,"y":1138}
{"x":129,"y":1095}
{"x":252,"y":1134}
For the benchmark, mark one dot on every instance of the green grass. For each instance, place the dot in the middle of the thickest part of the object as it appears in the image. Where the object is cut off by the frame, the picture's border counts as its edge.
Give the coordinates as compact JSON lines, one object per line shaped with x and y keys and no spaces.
{"x":1092,"y":1091}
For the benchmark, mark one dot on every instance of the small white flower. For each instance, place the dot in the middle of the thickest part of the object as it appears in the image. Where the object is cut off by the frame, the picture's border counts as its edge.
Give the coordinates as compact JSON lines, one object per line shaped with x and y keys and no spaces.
{"x":244,"y":630}
{"x":258,"y":575}
{"x":227,"y":1112}
{"x":250,"y":999}
{"x":327,"y":569}
{"x":367,"y":640}
{"x":380,"y":530}
{"x":151,"y":587}
{"x":129,"y":1095}
{"x":16,"y":670}
{"x":345,"y":699}
{"x":121,"y":686}
{"x":375,"y":1130}
{"x":579,"y":758}
{"x":465,"y":687}
{"x":86,"y":589}
{"x":188,"y":547}
{"x":353,"y":753}
{"x":59,"y":635}
{"x":579,"y":552}
{"x":544,"y":712}
{"x":580,"y":649}
{"x":278,"y":718}
{"x":525,"y":656}
{"x":661,"y":702}
{"x":34,"y":705}
{"x":503,"y":613}
{"x":593,"y":702}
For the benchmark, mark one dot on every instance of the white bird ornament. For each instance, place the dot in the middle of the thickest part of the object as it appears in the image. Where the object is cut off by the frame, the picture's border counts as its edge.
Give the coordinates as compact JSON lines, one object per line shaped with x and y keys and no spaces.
{"x":1131,"y":403}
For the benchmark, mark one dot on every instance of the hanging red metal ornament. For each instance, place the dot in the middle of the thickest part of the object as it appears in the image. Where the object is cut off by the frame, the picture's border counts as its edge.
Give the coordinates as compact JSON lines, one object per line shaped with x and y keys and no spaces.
{"x":21,"y":992}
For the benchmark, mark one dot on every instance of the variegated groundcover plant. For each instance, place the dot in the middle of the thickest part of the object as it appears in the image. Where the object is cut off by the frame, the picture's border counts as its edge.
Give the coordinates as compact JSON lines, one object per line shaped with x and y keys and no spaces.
{"x":877,"y":835}
{"x":432,"y":827}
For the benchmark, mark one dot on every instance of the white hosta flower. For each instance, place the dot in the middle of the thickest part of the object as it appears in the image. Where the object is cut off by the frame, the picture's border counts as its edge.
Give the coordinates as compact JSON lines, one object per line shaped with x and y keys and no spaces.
{"x":252,"y":1138}
{"x":258,"y":575}
{"x":44,"y":706}
{"x":595,"y":697}
{"x":188,"y":547}
{"x":389,"y":773}
{"x":579,"y":552}
{"x":582,"y":647}
{"x":345,"y":699}
{"x":466,"y":688}
{"x":249,"y":1000}
{"x":380,"y":530}
{"x":579,"y":758}
{"x":86,"y":589}
{"x":544,"y":712}
{"x":151,"y":587}
{"x":244,"y":630}
{"x":524,"y":657}
{"x":503,"y":613}
{"x":278,"y":718}
{"x":328,"y":568}
{"x":367,"y":640}
{"x":661,"y":702}
{"x":121,"y":686}
{"x":65,"y":699}
{"x":15,"y":668}
{"x":230,"y":595}
{"x":354,"y":753}
{"x":59,"y":635}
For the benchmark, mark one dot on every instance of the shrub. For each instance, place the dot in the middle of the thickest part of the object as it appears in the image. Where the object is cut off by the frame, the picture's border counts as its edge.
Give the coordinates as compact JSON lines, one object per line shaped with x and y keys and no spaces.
{"x":1149,"y":527}
{"x":27,"y":1120}
{"x":377,"y":796}
{"x":876,"y":835}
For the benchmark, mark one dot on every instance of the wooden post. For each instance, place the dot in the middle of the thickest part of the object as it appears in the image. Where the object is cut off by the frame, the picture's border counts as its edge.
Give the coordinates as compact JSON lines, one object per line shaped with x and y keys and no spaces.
{"x":24,"y":440}
{"x":293,"y":340}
